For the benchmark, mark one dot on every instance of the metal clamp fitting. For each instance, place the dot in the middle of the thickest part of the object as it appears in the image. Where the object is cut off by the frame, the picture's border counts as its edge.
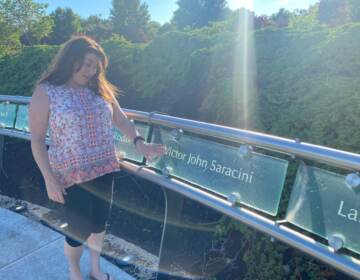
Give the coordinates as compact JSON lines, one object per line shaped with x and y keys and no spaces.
{"x":234,"y":198}
{"x":336,"y":241}
{"x":352,"y":180}
{"x":166,"y":171}
{"x":176,"y":133}
{"x":245,"y":152}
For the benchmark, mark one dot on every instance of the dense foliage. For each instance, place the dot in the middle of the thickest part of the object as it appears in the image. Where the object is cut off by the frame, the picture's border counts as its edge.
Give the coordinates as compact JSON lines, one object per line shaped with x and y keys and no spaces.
{"x":298,"y":84}
{"x":198,"y":13}
{"x":66,"y":23}
{"x":130,"y":18}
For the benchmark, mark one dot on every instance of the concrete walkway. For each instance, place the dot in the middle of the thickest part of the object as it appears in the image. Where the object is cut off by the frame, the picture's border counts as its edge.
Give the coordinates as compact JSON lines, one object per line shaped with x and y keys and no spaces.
{"x":29,"y":250}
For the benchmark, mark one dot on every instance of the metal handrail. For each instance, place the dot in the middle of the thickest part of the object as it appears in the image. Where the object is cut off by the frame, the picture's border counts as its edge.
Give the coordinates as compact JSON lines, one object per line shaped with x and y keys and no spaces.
{"x":273,"y":228}
{"x":15,"y":99}
{"x":295,"y":147}
{"x":334,"y":157}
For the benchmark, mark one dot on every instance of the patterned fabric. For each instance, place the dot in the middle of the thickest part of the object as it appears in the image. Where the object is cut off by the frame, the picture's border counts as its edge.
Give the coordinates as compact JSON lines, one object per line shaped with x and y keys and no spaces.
{"x":82,"y":139}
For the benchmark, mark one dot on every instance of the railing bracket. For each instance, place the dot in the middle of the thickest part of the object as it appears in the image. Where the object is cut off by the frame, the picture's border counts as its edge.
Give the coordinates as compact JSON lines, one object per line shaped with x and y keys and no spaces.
{"x":234,"y":198}
{"x":245,"y":152}
{"x":336,"y":241}
{"x":166,"y":171}
{"x":352,"y":180}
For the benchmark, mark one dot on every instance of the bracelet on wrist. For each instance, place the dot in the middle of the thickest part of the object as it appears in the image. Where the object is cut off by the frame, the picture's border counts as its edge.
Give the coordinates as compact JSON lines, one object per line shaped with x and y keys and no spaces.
{"x":137,"y":138}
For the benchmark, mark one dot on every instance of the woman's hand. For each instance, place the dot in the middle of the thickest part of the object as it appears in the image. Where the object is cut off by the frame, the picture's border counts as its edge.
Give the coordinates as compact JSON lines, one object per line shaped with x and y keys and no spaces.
{"x":55,"y":190}
{"x":150,"y":151}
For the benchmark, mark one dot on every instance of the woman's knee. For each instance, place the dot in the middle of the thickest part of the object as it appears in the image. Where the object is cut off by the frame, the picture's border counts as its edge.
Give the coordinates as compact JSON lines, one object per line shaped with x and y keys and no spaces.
{"x":73,"y":242}
{"x":98,"y":227}
{"x":78,"y":238}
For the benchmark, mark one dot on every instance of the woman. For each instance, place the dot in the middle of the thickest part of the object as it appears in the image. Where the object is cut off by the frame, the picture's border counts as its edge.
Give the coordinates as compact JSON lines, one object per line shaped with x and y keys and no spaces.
{"x":79,"y":105}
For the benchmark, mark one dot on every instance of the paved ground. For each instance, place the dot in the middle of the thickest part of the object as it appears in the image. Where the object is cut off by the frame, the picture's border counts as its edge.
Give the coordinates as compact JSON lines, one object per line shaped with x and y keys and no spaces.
{"x":29,"y":250}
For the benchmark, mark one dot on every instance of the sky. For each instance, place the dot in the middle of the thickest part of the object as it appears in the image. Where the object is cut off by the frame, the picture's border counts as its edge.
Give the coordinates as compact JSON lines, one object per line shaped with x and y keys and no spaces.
{"x":162,"y":10}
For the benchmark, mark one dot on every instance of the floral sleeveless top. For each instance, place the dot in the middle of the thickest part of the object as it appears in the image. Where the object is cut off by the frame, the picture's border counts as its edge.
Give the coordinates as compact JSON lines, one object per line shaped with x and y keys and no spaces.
{"x":82,"y":144}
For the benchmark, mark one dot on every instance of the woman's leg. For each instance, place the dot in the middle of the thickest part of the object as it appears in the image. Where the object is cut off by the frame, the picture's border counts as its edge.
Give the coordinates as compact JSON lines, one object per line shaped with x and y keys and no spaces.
{"x":78,"y":212}
{"x":95,"y":242}
{"x":102,"y":191}
{"x":73,"y":255}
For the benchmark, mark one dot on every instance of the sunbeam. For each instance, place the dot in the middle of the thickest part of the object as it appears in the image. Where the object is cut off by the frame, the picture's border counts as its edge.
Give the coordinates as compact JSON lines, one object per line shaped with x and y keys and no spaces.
{"x":244,"y":80}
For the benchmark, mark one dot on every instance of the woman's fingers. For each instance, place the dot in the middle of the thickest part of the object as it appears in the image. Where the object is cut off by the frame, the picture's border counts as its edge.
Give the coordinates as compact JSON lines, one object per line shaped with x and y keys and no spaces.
{"x":56,"y":191}
{"x":57,"y":197}
{"x":159,"y":149}
{"x":154,"y":150}
{"x":149,"y":156}
{"x":60,"y":197}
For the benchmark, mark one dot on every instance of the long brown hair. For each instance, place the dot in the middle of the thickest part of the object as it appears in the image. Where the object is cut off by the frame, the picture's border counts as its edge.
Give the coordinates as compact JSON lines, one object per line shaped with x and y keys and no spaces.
{"x":71,"y":55}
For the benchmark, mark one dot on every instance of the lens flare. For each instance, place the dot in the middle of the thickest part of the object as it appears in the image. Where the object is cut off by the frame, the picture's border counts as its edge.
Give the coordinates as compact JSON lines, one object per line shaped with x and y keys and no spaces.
{"x":244,"y":80}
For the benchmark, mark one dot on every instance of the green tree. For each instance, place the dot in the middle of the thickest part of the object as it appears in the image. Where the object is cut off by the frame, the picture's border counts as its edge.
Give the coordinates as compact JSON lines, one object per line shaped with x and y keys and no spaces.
{"x":96,"y":27}
{"x":9,"y":37}
{"x":305,"y":20}
{"x":66,"y":23}
{"x":262,"y":22}
{"x":130,"y":18}
{"x":38,"y":32}
{"x":281,"y":18}
{"x":166,"y":27}
{"x":198,"y":13}
{"x":355,"y":9}
{"x":153,"y":28}
{"x":243,"y":17}
{"x":28,"y":18}
{"x":213,"y":10}
{"x":334,"y":12}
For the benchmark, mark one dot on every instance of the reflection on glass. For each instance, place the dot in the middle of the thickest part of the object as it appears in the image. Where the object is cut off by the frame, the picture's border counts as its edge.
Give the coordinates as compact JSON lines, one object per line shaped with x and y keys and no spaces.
{"x":22,"y":118}
{"x":125,"y":148}
{"x":259,"y":179}
{"x":7,"y":115}
{"x":322,"y":204}
{"x":188,"y":245}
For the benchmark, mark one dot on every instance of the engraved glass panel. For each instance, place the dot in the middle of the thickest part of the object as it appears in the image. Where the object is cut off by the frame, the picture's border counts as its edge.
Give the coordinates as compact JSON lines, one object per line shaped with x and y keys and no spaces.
{"x":22,"y":118}
{"x":259,"y":179}
{"x":7,"y":115}
{"x":322,"y":203}
{"x":125,"y":148}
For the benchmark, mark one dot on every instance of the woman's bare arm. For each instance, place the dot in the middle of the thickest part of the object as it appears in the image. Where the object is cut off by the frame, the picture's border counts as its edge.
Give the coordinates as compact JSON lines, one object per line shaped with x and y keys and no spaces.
{"x":122,"y":122}
{"x":128,"y":128}
{"x":38,"y":122}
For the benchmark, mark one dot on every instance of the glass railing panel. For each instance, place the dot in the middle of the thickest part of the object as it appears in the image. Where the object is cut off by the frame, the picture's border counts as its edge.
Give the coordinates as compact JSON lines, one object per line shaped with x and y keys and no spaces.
{"x":323,"y":204}
{"x":7,"y":115}
{"x":257,"y":178}
{"x":22,"y":118}
{"x":201,"y":243}
{"x":125,"y":148}
{"x":188,"y":237}
{"x":136,"y":224}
